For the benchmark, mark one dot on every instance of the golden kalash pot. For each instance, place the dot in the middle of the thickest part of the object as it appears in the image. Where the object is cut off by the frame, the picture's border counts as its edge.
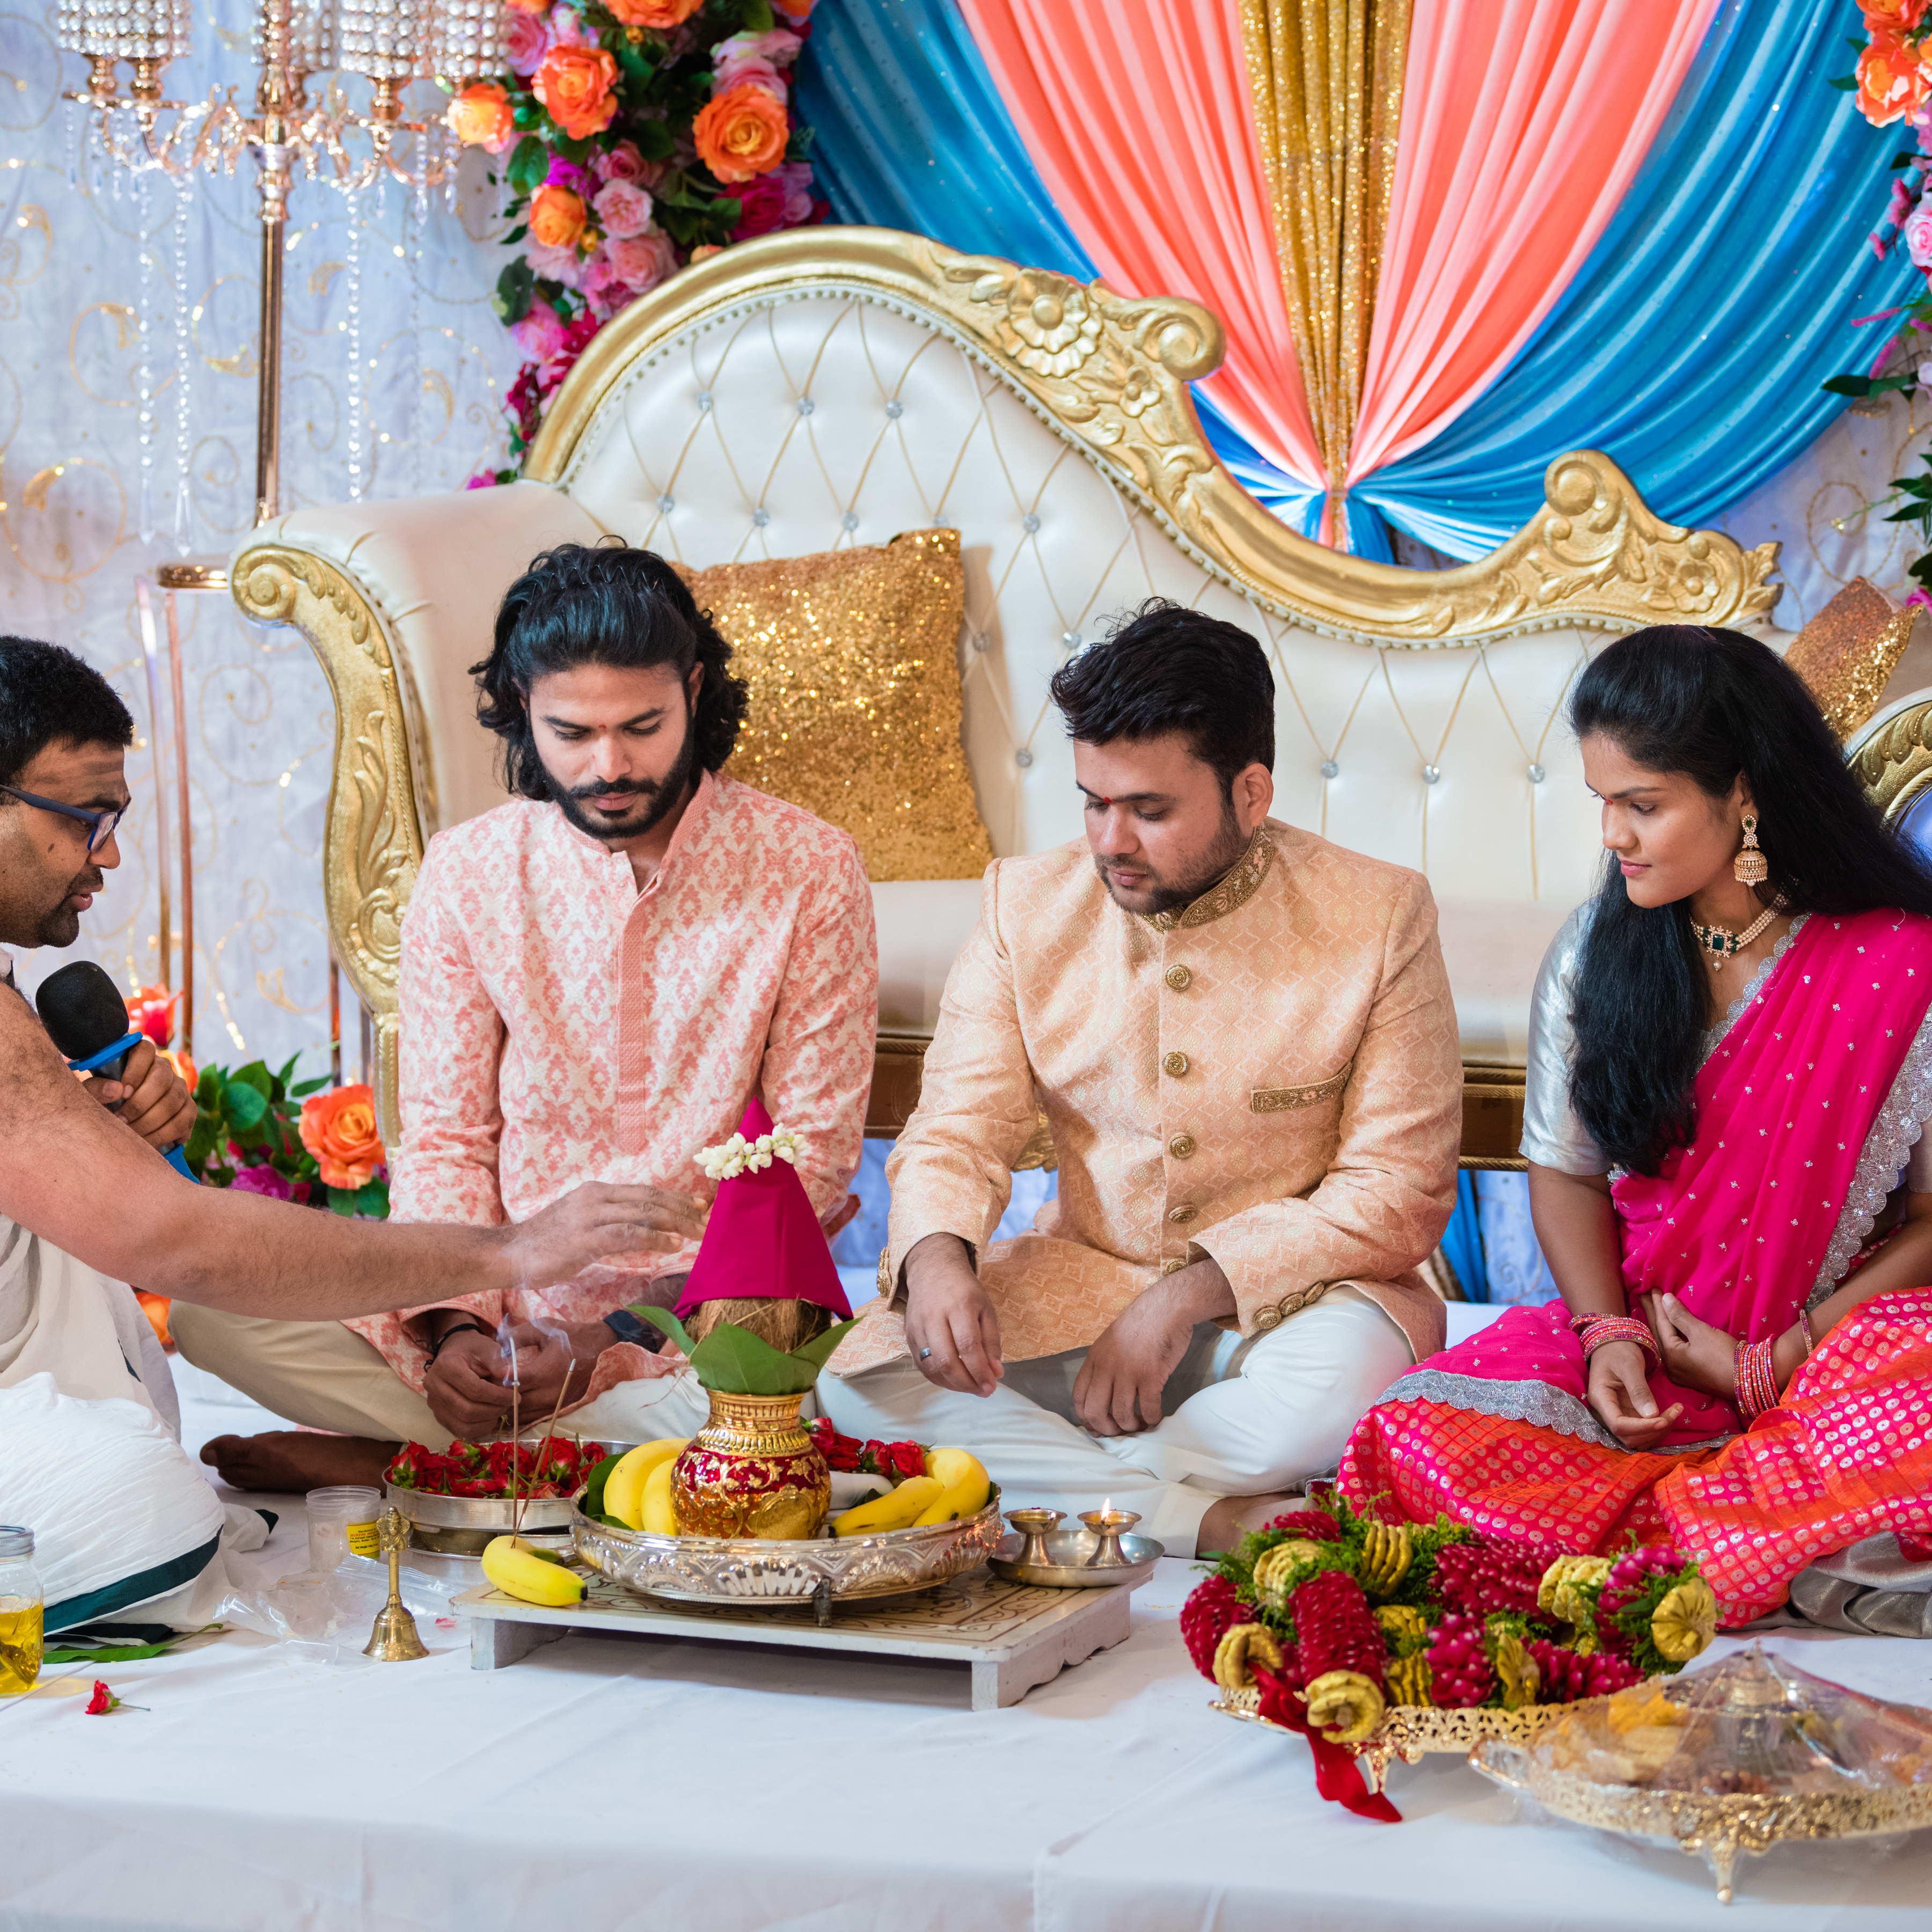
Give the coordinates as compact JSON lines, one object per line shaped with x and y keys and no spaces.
{"x":751,"y":1471}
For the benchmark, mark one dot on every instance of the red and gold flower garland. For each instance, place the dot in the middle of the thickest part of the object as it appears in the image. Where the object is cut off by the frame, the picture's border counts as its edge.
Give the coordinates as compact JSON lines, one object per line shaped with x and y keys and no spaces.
{"x":640,"y":135}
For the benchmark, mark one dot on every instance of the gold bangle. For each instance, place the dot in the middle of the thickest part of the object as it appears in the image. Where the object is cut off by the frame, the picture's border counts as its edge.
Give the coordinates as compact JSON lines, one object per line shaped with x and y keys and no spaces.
{"x":1804,"y":1329}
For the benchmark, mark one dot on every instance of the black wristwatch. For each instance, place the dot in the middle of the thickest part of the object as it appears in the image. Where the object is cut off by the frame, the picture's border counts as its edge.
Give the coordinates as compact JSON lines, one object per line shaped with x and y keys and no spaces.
{"x":454,"y":1328}
{"x":627,"y":1327}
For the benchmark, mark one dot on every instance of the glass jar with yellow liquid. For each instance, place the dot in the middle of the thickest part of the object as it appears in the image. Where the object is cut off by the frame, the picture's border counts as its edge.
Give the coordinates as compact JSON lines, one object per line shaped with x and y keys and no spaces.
{"x":21,"y":1610}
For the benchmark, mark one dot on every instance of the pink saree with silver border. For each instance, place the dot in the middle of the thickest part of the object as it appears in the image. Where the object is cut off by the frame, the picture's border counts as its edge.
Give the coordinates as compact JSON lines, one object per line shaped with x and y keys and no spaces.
{"x":1808,"y":1105}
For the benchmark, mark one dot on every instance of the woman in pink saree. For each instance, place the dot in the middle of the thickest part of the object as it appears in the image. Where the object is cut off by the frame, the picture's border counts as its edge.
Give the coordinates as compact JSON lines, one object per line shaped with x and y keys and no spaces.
{"x":1731,"y":1066}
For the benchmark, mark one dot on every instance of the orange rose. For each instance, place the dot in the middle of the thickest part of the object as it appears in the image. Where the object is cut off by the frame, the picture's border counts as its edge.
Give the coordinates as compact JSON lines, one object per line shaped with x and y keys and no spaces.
{"x":531,"y":6}
{"x":741,"y":132}
{"x":1893,"y":16}
{"x":557,"y":216}
{"x":339,"y":1129}
{"x":481,"y":117}
{"x":1891,"y":81}
{"x":575,"y":84}
{"x":663,"y":15}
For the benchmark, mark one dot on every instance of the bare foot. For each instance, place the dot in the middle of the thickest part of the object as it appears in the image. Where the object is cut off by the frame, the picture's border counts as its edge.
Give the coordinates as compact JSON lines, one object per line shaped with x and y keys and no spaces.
{"x":291,"y":1460}
{"x":1231,"y":1518}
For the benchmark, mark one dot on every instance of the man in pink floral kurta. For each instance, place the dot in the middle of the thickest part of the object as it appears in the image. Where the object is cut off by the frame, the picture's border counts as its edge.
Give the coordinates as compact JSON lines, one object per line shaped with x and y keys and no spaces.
{"x":596,"y":976}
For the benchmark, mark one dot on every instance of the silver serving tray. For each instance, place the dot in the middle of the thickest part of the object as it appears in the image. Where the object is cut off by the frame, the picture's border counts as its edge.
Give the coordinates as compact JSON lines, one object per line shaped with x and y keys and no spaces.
{"x":753,"y":1570}
{"x":1066,"y":1568}
{"x":466,"y":1525}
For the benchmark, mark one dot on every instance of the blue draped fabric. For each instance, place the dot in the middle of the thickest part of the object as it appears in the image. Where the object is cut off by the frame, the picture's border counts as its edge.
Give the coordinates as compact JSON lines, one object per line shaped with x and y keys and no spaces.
{"x":1691,"y":346}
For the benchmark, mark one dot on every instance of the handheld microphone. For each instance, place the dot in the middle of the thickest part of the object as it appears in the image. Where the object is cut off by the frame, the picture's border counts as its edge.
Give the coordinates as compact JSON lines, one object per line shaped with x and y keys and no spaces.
{"x":86,"y":1017}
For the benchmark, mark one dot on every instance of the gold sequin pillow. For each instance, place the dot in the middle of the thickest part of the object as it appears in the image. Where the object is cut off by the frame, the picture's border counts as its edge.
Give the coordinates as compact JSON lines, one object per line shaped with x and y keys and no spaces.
{"x":1848,"y":652}
{"x":852,"y":657}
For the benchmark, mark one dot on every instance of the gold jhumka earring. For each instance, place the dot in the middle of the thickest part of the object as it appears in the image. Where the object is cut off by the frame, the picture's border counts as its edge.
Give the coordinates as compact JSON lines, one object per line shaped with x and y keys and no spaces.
{"x":1750,"y":868}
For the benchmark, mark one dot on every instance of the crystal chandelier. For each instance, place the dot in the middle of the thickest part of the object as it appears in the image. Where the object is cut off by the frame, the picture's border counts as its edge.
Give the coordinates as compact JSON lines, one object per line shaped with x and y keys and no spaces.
{"x":388,"y":44}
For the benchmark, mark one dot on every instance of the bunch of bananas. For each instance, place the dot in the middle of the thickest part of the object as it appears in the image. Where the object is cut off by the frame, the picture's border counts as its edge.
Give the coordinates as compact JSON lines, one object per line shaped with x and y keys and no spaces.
{"x":637,"y":1490}
{"x":955,"y":1484}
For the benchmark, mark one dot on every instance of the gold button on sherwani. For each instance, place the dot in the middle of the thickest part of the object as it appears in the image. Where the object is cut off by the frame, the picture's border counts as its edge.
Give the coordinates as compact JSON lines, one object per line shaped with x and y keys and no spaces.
{"x":1176,"y":1063}
{"x":1309,"y":972}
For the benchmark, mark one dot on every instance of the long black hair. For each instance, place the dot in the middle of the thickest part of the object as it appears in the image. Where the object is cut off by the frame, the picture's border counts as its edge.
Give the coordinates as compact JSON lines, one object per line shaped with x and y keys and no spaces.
{"x":1710,"y":705}
{"x":607,"y":604}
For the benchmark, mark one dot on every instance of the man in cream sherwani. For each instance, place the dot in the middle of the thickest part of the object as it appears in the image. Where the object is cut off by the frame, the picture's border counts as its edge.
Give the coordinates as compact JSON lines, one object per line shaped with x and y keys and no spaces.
{"x":1242,"y":1038}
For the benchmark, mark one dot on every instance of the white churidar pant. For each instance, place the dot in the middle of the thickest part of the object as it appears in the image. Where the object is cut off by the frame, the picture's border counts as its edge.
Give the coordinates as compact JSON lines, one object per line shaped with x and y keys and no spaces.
{"x":1240,"y":1418}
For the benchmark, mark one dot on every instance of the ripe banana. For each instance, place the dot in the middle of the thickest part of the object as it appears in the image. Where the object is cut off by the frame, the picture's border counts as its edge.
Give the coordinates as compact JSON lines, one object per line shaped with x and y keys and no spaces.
{"x":519,"y":1571}
{"x":895,"y":1510}
{"x":658,"y":1512}
{"x":968,"y":1486}
{"x":624,"y":1487}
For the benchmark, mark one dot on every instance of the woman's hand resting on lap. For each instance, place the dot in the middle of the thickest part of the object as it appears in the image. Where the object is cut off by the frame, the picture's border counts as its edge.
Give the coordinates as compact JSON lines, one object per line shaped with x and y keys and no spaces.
{"x":1695,"y":1354}
{"x":1619,"y":1395}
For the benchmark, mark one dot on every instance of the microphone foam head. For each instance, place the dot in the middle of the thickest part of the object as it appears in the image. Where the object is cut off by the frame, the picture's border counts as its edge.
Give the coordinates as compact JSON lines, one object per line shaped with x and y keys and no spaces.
{"x":82,"y":1008}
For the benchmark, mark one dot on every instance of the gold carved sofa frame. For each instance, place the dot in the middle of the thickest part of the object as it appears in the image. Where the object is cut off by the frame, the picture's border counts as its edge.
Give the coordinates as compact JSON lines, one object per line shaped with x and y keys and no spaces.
{"x":1091,"y":391}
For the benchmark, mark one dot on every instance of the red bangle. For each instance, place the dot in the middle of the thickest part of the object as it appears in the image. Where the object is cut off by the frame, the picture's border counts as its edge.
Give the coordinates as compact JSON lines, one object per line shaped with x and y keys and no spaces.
{"x":1598,"y":1331}
{"x":1757,"y":1379}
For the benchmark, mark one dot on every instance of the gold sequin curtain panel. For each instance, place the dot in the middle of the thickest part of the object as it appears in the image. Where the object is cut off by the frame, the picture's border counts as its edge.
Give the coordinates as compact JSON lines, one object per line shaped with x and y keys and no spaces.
{"x":1327,"y":76}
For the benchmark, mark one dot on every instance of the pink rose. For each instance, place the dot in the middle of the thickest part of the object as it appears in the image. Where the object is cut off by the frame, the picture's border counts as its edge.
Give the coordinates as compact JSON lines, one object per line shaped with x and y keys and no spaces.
{"x":605,"y":290}
{"x":1917,"y":234}
{"x":264,"y":1181}
{"x":568,"y":28}
{"x":622,"y":163}
{"x":525,"y":41}
{"x":780,"y":199}
{"x":623,"y":209}
{"x":756,"y":58}
{"x":643,"y":260}
{"x":554,"y":265}
{"x":540,"y":334}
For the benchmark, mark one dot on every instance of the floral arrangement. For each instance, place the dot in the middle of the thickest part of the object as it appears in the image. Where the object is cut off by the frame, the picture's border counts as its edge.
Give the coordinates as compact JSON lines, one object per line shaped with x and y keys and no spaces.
{"x":640,"y":135}
{"x":265,"y":1132}
{"x":1333,"y":1616}
{"x":557,"y":1466}
{"x":1893,"y":82}
{"x":729,"y":1159}
{"x":846,"y":1455}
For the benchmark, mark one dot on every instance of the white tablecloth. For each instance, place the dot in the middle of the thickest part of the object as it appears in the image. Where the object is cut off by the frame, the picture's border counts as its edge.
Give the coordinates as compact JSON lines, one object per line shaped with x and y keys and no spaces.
{"x":608,"y":1782}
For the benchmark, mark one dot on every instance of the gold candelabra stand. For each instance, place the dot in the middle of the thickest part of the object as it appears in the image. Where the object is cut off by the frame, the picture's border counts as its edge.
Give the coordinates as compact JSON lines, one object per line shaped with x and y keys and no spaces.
{"x":389,"y":43}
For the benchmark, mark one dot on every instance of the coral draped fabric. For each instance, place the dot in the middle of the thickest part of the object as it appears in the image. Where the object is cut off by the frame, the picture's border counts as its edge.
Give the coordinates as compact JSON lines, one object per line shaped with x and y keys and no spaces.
{"x":1523,"y":122}
{"x":1145,"y":136}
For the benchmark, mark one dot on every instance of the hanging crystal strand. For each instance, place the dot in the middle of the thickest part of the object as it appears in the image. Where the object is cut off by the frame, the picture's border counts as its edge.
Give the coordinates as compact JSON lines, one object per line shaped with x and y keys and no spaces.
{"x":73,"y":131}
{"x":415,"y":252}
{"x":184,"y":364}
{"x":148,"y":297}
{"x":352,"y":387}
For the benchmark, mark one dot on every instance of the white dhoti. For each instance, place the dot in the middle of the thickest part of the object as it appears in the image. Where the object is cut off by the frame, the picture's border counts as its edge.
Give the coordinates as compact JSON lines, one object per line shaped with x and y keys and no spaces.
{"x":125,"y":1527}
{"x":1240,"y":1418}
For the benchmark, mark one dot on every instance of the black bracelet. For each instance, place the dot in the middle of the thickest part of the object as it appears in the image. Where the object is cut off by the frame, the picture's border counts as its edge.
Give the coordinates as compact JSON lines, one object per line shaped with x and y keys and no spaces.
{"x":454,"y":1328}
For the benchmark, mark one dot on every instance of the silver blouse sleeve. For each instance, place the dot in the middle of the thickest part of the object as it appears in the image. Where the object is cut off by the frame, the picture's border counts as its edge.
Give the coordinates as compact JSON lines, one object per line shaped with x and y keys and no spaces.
{"x":1552,"y":1136}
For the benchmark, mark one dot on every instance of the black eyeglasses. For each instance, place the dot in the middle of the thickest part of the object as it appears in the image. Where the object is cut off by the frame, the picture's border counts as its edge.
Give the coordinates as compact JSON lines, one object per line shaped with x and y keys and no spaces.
{"x":100,"y":825}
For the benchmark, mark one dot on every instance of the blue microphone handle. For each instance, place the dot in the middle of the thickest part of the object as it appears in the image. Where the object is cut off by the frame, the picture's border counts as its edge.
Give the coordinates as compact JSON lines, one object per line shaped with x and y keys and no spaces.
{"x":108,"y":1061}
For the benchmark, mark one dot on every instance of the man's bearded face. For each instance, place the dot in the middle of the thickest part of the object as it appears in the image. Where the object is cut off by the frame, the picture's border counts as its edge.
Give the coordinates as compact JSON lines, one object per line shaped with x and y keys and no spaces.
{"x":617,"y":745}
{"x":1161,"y":825}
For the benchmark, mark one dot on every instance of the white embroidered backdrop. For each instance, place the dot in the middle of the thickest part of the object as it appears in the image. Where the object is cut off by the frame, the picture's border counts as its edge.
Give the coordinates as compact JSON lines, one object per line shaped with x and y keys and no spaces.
{"x":394,"y":364}
{"x":99,"y":278}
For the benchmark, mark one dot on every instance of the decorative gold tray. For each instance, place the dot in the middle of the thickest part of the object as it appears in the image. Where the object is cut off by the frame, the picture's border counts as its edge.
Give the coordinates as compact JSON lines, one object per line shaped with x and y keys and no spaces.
{"x":1411,"y":1732}
{"x":1730,"y":1759}
{"x":718,"y":1569}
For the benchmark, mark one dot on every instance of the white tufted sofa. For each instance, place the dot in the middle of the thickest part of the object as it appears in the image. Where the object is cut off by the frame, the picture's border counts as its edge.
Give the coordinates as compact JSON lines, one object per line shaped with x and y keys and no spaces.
{"x":837,"y":386}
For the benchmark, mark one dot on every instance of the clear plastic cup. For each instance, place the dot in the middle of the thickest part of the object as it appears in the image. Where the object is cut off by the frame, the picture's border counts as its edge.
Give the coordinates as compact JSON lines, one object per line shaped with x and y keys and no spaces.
{"x":341,"y":1523}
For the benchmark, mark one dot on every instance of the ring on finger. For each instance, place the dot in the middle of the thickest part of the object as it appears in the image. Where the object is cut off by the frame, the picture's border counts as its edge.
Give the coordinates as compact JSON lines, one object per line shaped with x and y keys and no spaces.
{"x":924,"y":1353}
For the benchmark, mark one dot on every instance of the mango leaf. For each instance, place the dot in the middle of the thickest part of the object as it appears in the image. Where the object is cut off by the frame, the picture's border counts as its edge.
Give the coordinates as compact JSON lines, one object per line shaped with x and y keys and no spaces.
{"x":246,"y":1105}
{"x":663,"y":1318}
{"x":593,"y":1504}
{"x":734,"y":1361}
{"x":818,"y":1351}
